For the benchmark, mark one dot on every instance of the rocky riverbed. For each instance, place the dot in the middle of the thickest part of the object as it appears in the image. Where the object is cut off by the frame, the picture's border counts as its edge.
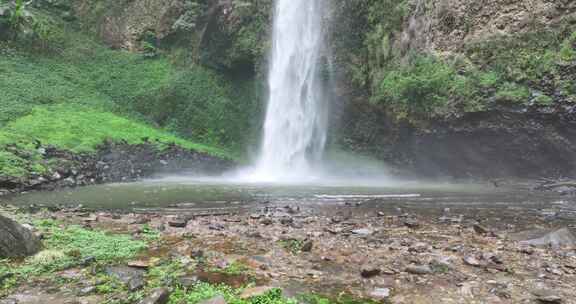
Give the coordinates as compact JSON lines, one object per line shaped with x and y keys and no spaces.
{"x":468,"y":255}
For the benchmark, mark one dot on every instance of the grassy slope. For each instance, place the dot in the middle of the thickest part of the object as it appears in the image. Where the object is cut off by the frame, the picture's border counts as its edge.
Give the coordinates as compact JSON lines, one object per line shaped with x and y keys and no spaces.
{"x":80,"y":93}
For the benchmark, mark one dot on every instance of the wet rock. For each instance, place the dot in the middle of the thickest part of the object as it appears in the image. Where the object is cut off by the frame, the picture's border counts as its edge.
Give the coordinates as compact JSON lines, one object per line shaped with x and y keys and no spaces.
{"x":450,"y":219}
{"x":267,"y":222}
{"x":178,"y":222}
{"x":255,"y":292}
{"x":307,"y":246}
{"x":526,"y":250}
{"x":419,"y":247}
{"x":158,"y":296}
{"x":411,"y":223}
{"x":547,"y":296}
{"x":333,"y":230}
{"x":87,"y":261}
{"x":143,"y":264}
{"x":188,"y":281}
{"x":15,"y":240}
{"x":286,"y":221}
{"x":370,"y":272}
{"x":472,"y":260}
{"x":380,"y":293}
{"x":557,"y":238}
{"x":132,"y":277}
{"x":419,"y":269}
{"x":215,"y":300}
{"x":87,"y":290}
{"x":216,"y":227}
{"x":479,"y":229}
{"x":297,"y":225}
{"x":254,"y":234}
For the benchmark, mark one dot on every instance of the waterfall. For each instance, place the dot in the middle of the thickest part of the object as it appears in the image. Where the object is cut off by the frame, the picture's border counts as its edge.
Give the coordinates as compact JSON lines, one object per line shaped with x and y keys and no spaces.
{"x":295,"y":124}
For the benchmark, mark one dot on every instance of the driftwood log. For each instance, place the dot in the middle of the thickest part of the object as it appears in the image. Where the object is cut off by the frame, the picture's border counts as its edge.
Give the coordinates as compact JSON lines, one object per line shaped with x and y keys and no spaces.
{"x":16,"y":240}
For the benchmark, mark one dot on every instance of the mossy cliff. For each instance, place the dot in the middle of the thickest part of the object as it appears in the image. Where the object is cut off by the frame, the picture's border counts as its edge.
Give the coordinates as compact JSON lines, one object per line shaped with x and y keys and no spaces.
{"x":459,"y":88}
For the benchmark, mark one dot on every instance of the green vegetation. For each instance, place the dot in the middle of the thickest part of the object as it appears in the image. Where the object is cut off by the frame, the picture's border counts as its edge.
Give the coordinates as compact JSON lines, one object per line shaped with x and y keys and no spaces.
{"x":293,"y":246}
{"x":422,"y":87}
{"x":234,"y":268}
{"x":194,"y":102}
{"x":511,"y":92}
{"x":63,"y":88}
{"x":78,"y":129}
{"x":342,"y":299}
{"x":428,"y":87}
{"x":568,"y":50}
{"x":66,"y":247}
{"x":411,"y":82}
{"x":89,"y":251}
{"x":81,"y":129}
{"x":204,"y":291}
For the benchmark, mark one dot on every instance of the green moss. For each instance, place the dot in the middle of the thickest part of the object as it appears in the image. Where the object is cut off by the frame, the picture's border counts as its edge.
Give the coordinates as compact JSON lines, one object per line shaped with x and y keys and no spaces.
{"x":67,"y":246}
{"x":293,"y":246}
{"x":82,"y":129}
{"x":342,"y":299}
{"x":166,"y":274}
{"x":204,"y":291}
{"x":568,"y":50}
{"x":12,"y":165}
{"x":514,"y":93}
{"x":543,"y":100}
{"x":431,"y":88}
{"x":489,"y":79}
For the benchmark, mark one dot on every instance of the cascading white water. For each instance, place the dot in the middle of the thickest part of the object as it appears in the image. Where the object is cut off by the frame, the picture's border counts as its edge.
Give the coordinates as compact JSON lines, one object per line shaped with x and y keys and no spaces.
{"x":295,"y":125}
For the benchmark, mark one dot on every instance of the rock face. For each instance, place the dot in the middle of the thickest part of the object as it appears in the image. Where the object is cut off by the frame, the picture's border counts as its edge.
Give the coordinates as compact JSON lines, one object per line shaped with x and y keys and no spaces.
{"x":523,"y":138}
{"x":15,"y":240}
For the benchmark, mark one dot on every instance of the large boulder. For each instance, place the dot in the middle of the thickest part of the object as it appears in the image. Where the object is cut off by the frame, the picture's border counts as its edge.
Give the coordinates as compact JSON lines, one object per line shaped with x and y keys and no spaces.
{"x":15,"y":240}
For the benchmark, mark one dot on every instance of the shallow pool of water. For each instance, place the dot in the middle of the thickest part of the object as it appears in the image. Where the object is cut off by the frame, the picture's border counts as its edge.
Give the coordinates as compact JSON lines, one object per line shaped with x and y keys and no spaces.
{"x":178,"y":193}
